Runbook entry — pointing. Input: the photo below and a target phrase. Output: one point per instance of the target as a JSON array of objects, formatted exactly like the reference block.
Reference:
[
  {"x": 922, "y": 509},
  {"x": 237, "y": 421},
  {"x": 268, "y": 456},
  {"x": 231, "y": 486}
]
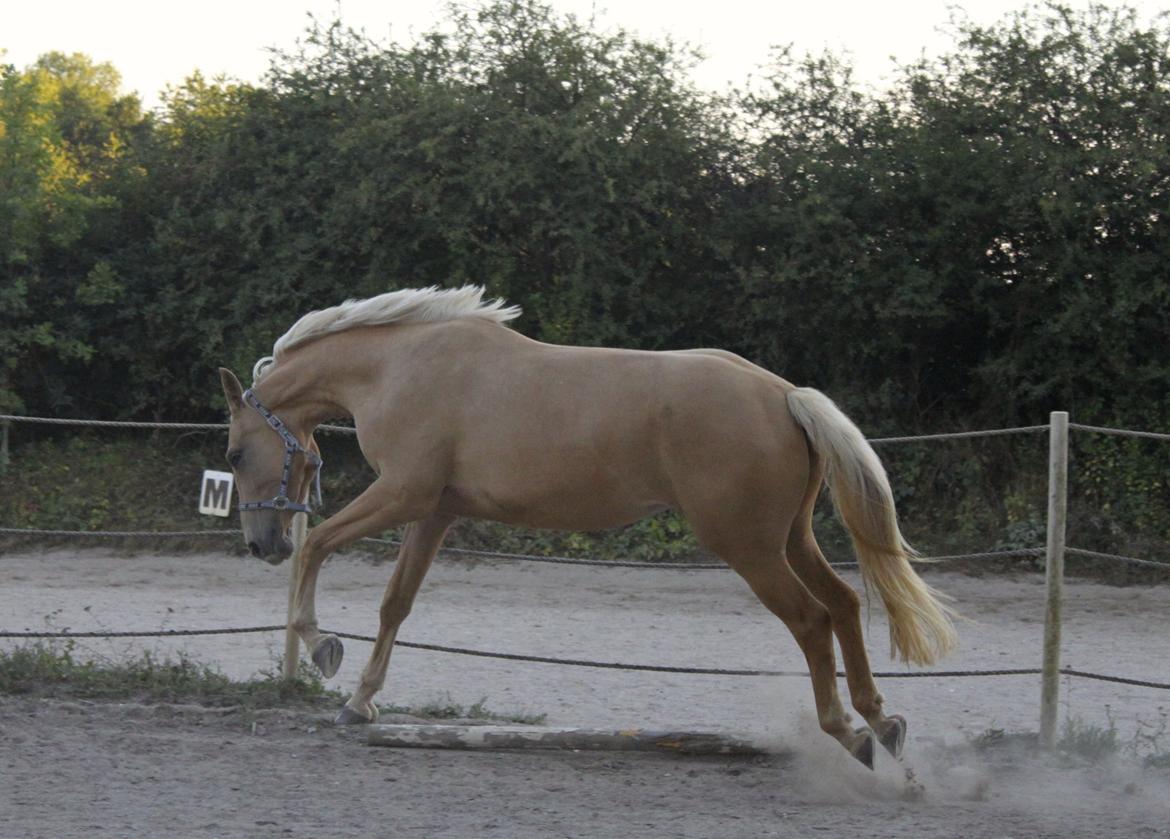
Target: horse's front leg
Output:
[
  {"x": 419, "y": 547},
  {"x": 381, "y": 507}
]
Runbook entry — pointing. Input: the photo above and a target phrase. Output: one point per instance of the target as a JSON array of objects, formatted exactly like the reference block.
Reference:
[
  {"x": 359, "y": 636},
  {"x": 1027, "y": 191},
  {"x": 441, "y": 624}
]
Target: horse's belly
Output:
[{"x": 567, "y": 508}]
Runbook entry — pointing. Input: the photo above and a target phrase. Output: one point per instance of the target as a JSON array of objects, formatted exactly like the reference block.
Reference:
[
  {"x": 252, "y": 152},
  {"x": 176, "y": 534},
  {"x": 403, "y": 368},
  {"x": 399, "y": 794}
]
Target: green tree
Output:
[
  {"x": 980, "y": 242},
  {"x": 1066, "y": 116},
  {"x": 64, "y": 135},
  {"x": 567, "y": 169}
]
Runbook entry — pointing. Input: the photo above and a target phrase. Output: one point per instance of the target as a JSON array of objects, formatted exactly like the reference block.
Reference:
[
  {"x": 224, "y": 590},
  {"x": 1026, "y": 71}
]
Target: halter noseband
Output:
[{"x": 291, "y": 447}]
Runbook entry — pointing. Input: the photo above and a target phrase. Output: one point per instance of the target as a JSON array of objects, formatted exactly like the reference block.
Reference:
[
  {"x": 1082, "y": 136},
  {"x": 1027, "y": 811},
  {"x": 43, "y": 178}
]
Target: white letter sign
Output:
[{"x": 215, "y": 499}]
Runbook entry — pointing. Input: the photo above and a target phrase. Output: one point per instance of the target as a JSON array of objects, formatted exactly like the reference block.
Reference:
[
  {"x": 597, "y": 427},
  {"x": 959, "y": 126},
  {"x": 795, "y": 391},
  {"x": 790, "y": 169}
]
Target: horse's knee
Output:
[
  {"x": 840, "y": 598},
  {"x": 394, "y": 611},
  {"x": 813, "y": 626},
  {"x": 846, "y": 605},
  {"x": 312, "y": 550}
]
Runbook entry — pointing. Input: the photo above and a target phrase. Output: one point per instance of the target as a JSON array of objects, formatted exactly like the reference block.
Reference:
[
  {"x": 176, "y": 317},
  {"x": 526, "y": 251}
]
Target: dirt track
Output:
[
  {"x": 97, "y": 771},
  {"x": 75, "y": 769}
]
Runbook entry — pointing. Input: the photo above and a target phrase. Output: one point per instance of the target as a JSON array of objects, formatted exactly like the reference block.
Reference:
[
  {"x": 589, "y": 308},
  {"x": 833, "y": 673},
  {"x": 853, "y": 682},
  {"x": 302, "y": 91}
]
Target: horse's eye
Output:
[{"x": 234, "y": 457}]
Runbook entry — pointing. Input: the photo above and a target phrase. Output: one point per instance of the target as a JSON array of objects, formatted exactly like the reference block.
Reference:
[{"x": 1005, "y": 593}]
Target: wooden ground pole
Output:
[{"x": 551, "y": 738}]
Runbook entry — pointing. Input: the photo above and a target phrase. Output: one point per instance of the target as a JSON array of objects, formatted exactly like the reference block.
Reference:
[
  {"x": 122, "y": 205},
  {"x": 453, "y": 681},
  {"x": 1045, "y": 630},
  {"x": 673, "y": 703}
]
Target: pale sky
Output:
[{"x": 156, "y": 42}]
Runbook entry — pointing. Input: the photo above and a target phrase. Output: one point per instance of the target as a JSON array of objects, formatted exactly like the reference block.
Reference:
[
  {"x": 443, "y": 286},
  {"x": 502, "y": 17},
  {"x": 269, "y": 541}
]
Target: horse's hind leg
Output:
[
  {"x": 845, "y": 610},
  {"x": 421, "y": 543},
  {"x": 743, "y": 509},
  {"x": 782, "y": 592}
]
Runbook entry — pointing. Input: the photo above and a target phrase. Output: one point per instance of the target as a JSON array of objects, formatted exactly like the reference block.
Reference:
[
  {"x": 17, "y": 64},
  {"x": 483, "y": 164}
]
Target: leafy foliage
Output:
[
  {"x": 979, "y": 244},
  {"x": 65, "y": 168}
]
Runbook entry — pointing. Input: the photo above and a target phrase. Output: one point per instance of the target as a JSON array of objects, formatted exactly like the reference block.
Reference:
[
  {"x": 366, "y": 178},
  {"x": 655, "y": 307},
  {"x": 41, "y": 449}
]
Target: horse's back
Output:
[{"x": 546, "y": 434}]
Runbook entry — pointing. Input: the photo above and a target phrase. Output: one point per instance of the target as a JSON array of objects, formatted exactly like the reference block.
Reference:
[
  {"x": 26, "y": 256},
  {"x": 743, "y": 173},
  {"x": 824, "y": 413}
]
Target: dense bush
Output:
[{"x": 979, "y": 244}]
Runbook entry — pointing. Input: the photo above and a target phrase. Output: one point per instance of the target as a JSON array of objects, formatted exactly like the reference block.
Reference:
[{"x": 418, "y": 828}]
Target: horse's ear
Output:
[{"x": 232, "y": 389}]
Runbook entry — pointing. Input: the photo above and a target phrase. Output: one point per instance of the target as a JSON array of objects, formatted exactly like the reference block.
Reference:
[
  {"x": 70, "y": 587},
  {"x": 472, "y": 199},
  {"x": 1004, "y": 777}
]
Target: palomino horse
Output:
[{"x": 459, "y": 415}]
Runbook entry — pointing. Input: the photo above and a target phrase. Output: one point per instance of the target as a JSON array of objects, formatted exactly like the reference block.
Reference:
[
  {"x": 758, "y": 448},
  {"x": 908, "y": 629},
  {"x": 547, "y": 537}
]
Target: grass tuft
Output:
[
  {"x": 1088, "y": 741},
  {"x": 52, "y": 671}
]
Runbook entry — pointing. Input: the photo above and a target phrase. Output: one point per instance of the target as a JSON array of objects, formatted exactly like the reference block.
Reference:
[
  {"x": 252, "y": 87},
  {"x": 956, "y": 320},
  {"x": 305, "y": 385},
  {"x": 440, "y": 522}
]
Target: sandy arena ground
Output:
[{"x": 77, "y": 769}]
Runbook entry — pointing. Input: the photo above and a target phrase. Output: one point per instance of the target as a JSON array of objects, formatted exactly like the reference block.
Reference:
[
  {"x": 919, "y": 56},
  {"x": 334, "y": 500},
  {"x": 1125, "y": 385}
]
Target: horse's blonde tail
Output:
[{"x": 921, "y": 629}]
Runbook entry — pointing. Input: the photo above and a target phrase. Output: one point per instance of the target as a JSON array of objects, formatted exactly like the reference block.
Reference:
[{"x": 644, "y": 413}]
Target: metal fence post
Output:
[
  {"x": 4, "y": 446},
  {"x": 1054, "y": 573},
  {"x": 292, "y": 642}
]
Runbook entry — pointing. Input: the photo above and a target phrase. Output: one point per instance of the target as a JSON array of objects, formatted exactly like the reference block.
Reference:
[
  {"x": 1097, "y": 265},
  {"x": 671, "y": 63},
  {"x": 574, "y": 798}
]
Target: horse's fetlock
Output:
[
  {"x": 372, "y": 678},
  {"x": 836, "y": 722},
  {"x": 302, "y": 627},
  {"x": 867, "y": 703}
]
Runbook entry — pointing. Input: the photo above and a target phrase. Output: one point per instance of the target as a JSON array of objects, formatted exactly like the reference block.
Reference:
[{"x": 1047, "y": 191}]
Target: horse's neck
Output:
[
  {"x": 308, "y": 385},
  {"x": 335, "y": 375}
]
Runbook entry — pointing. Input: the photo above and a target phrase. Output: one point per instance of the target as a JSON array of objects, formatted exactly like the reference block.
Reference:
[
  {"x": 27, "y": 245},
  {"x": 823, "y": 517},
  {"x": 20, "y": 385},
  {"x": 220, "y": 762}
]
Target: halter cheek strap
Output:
[{"x": 291, "y": 446}]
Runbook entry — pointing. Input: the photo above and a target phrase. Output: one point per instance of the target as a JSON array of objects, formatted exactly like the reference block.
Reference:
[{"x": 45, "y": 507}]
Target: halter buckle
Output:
[{"x": 291, "y": 446}]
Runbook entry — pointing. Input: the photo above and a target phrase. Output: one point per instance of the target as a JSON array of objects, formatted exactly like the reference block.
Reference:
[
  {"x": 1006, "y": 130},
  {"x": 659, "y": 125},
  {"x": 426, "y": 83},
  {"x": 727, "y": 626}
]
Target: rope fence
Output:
[
  {"x": 580, "y": 662},
  {"x": 1120, "y": 432},
  {"x": 552, "y": 560},
  {"x": 1009, "y": 553},
  {"x": 1132, "y": 560},
  {"x": 345, "y": 429},
  {"x": 173, "y": 426},
  {"x": 958, "y": 435},
  {"x": 114, "y": 534}
]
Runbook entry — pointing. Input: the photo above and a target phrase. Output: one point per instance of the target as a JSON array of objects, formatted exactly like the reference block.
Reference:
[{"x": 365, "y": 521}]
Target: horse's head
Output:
[{"x": 274, "y": 470}]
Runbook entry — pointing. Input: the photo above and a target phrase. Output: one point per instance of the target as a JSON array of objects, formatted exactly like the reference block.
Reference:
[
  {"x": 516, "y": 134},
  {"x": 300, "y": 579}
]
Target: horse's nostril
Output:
[{"x": 255, "y": 549}]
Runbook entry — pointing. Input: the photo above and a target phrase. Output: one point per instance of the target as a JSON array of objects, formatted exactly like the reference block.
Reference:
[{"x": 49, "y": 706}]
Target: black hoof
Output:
[
  {"x": 864, "y": 749},
  {"x": 894, "y": 737},
  {"x": 327, "y": 655},
  {"x": 348, "y": 716}
]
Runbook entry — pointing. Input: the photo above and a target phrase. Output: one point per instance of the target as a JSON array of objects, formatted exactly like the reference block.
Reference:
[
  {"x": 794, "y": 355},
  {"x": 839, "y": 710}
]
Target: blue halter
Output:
[{"x": 291, "y": 447}]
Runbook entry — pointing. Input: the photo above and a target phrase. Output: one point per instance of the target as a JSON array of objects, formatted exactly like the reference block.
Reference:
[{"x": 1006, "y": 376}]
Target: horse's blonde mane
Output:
[{"x": 408, "y": 305}]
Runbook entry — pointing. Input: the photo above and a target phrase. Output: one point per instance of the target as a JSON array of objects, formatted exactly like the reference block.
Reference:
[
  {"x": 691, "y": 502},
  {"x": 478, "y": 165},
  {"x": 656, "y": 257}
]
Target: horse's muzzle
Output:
[{"x": 273, "y": 551}]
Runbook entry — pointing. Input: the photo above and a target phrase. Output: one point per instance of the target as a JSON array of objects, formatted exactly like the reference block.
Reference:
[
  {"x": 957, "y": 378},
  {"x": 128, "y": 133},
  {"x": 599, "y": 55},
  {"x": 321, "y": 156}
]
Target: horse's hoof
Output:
[
  {"x": 863, "y": 749},
  {"x": 348, "y": 716},
  {"x": 327, "y": 655},
  {"x": 894, "y": 737}
]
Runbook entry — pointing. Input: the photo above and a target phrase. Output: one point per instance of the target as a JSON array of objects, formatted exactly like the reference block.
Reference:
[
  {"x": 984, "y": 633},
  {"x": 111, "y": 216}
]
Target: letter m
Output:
[{"x": 216, "y": 494}]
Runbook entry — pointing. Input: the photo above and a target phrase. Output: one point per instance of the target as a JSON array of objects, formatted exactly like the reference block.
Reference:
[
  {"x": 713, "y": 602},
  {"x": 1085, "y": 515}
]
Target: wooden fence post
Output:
[
  {"x": 292, "y": 642},
  {"x": 1054, "y": 573}
]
